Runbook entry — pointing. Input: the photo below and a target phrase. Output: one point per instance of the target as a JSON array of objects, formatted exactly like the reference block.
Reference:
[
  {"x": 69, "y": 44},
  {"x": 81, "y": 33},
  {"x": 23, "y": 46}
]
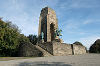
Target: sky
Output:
[{"x": 78, "y": 19}]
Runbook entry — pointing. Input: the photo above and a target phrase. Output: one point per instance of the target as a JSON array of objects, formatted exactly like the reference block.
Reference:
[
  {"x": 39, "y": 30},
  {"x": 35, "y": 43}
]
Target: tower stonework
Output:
[
  {"x": 48, "y": 42},
  {"x": 47, "y": 24}
]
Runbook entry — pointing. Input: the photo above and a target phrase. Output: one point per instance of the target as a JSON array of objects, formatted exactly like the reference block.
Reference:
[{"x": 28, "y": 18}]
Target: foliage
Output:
[
  {"x": 26, "y": 48},
  {"x": 95, "y": 48},
  {"x": 8, "y": 38},
  {"x": 33, "y": 39},
  {"x": 23, "y": 38},
  {"x": 11, "y": 39},
  {"x": 78, "y": 43}
]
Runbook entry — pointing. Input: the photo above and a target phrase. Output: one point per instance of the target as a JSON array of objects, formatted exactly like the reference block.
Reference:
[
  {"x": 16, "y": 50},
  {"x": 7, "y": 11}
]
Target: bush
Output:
[
  {"x": 8, "y": 38},
  {"x": 78, "y": 43},
  {"x": 33, "y": 39},
  {"x": 95, "y": 47},
  {"x": 11, "y": 40}
]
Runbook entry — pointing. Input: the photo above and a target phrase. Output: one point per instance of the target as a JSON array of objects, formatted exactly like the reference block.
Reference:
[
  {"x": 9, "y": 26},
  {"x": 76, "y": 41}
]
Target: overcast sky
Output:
[{"x": 78, "y": 19}]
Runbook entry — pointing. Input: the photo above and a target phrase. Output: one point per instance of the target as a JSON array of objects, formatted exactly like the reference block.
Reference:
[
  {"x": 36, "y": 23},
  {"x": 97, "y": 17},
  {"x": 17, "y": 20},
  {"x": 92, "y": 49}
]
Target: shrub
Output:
[
  {"x": 95, "y": 47},
  {"x": 33, "y": 39},
  {"x": 78, "y": 43}
]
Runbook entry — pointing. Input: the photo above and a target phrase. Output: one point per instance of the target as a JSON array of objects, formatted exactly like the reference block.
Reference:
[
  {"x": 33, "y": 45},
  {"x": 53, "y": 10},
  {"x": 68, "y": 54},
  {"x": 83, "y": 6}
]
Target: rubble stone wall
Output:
[
  {"x": 78, "y": 49},
  {"x": 47, "y": 46},
  {"x": 60, "y": 49}
]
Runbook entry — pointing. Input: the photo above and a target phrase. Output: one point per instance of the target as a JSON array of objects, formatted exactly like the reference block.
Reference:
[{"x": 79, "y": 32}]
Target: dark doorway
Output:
[{"x": 52, "y": 31}]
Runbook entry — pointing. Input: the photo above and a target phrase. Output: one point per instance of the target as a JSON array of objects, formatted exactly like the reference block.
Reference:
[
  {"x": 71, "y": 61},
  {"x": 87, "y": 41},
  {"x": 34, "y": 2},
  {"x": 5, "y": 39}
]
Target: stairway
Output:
[{"x": 45, "y": 53}]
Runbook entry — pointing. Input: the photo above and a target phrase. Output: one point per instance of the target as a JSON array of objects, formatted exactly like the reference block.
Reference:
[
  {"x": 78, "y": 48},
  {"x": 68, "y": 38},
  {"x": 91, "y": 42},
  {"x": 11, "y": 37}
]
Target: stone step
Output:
[{"x": 45, "y": 53}]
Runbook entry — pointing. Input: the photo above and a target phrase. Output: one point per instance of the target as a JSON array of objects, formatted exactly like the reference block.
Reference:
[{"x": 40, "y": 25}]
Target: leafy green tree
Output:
[
  {"x": 33, "y": 39},
  {"x": 11, "y": 39},
  {"x": 78, "y": 43},
  {"x": 23, "y": 39},
  {"x": 8, "y": 38},
  {"x": 95, "y": 47}
]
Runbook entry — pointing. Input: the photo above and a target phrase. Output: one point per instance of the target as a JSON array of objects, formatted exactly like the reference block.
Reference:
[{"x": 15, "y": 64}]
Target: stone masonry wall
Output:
[
  {"x": 60, "y": 49},
  {"x": 47, "y": 17},
  {"x": 78, "y": 49},
  {"x": 51, "y": 19},
  {"x": 28, "y": 50},
  {"x": 47, "y": 46}
]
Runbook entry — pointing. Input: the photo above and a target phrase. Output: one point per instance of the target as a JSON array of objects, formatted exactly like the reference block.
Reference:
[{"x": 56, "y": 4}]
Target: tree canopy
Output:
[
  {"x": 11, "y": 39},
  {"x": 9, "y": 35},
  {"x": 78, "y": 43},
  {"x": 95, "y": 47},
  {"x": 33, "y": 39}
]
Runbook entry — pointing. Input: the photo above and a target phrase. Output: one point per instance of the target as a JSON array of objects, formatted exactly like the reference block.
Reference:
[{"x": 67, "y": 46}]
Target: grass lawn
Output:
[{"x": 12, "y": 58}]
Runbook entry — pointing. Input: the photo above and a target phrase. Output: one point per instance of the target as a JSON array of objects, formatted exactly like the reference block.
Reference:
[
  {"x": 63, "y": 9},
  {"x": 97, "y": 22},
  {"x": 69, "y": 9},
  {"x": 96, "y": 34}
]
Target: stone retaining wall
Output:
[
  {"x": 47, "y": 46},
  {"x": 62, "y": 49},
  {"x": 78, "y": 49}
]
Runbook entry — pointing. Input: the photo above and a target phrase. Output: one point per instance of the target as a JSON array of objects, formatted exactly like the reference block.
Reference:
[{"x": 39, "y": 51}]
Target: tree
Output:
[
  {"x": 78, "y": 43},
  {"x": 8, "y": 38},
  {"x": 95, "y": 47},
  {"x": 33, "y": 39},
  {"x": 12, "y": 42}
]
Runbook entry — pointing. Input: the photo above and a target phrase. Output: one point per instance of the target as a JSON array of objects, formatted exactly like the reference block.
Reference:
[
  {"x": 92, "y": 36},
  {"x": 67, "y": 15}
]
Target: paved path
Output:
[{"x": 71, "y": 60}]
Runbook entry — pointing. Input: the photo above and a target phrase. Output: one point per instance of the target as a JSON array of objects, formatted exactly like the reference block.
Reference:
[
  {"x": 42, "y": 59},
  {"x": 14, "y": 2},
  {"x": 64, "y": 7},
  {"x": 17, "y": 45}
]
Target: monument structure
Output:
[
  {"x": 48, "y": 24},
  {"x": 49, "y": 41}
]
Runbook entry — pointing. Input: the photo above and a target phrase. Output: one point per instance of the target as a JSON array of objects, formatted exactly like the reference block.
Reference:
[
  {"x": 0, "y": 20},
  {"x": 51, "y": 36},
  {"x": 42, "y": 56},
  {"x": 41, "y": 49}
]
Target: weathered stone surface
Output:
[
  {"x": 60, "y": 49},
  {"x": 47, "y": 46},
  {"x": 47, "y": 24},
  {"x": 29, "y": 50},
  {"x": 79, "y": 49},
  {"x": 44, "y": 52}
]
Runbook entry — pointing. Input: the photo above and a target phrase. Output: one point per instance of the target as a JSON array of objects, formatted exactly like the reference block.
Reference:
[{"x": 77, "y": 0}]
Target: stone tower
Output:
[{"x": 47, "y": 24}]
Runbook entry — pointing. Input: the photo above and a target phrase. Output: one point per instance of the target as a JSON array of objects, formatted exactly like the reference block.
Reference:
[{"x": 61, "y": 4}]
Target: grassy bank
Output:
[{"x": 12, "y": 58}]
